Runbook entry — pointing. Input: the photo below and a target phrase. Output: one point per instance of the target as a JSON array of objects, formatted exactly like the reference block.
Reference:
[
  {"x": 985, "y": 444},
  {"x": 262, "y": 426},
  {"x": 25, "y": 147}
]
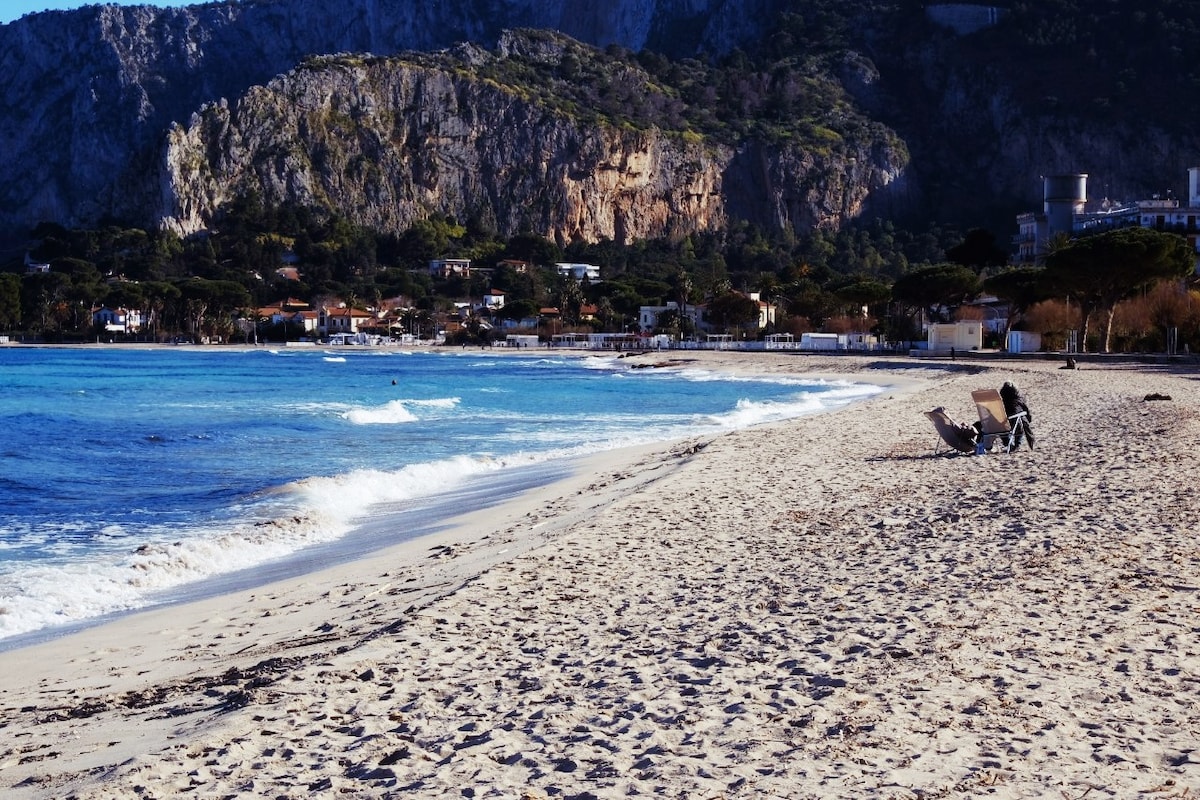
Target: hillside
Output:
[
  {"x": 515, "y": 138},
  {"x": 826, "y": 113}
]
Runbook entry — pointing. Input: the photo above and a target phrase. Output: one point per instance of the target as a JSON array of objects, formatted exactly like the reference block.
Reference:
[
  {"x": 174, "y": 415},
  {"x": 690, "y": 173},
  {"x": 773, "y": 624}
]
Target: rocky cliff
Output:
[
  {"x": 89, "y": 95},
  {"x": 387, "y": 141},
  {"x": 144, "y": 115}
]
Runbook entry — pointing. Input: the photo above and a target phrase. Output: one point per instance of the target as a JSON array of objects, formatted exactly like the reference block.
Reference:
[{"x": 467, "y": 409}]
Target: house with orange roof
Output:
[
  {"x": 287, "y": 313},
  {"x": 343, "y": 320}
]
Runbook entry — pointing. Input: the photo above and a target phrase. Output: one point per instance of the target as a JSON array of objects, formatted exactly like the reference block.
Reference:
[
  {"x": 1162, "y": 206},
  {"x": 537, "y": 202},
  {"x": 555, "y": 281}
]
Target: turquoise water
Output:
[{"x": 135, "y": 477}]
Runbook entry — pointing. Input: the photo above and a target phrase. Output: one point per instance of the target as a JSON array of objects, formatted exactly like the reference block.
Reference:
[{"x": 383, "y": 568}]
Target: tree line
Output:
[{"x": 871, "y": 277}]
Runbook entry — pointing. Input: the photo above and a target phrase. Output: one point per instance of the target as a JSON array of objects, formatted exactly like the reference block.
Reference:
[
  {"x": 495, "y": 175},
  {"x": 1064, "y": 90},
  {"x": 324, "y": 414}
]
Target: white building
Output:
[
  {"x": 493, "y": 301},
  {"x": 1065, "y": 210},
  {"x": 35, "y": 268},
  {"x": 118, "y": 320},
  {"x": 956, "y": 336},
  {"x": 578, "y": 271},
  {"x": 648, "y": 315}
]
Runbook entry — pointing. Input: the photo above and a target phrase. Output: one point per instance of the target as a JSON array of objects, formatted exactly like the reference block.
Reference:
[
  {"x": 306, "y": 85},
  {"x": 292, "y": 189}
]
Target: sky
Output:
[{"x": 15, "y": 9}]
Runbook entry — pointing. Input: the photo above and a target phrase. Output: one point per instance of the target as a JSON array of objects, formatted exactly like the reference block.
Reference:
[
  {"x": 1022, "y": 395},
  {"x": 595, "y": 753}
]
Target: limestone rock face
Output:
[
  {"x": 89, "y": 95},
  {"x": 386, "y": 142}
]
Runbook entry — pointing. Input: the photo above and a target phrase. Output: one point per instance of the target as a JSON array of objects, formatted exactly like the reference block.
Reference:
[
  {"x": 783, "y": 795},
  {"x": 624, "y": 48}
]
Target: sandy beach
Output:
[{"x": 820, "y": 608}]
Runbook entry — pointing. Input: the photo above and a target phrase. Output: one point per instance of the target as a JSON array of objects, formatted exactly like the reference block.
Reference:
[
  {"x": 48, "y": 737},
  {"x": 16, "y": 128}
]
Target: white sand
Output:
[{"x": 817, "y": 608}]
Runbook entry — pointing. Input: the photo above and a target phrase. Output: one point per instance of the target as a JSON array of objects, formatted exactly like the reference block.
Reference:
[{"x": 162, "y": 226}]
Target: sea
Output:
[{"x": 131, "y": 478}]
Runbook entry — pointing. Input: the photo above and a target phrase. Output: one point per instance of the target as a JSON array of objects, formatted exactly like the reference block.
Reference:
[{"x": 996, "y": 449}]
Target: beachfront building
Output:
[
  {"x": 292, "y": 313},
  {"x": 117, "y": 320},
  {"x": 649, "y": 316},
  {"x": 343, "y": 320},
  {"x": 1067, "y": 212},
  {"x": 947, "y": 337},
  {"x": 493, "y": 301}
]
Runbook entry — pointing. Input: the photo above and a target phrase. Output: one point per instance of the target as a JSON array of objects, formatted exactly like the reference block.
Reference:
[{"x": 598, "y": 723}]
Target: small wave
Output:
[
  {"x": 350, "y": 494},
  {"x": 396, "y": 411},
  {"x": 706, "y": 376},
  {"x": 392, "y": 413},
  {"x": 599, "y": 362},
  {"x": 437, "y": 402},
  {"x": 52, "y": 595},
  {"x": 754, "y": 412},
  {"x": 334, "y": 359}
]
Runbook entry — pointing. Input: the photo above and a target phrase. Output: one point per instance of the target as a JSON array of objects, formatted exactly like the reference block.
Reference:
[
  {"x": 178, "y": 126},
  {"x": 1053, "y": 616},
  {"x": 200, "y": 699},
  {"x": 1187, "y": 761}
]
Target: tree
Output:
[
  {"x": 605, "y": 312},
  {"x": 733, "y": 310},
  {"x": 212, "y": 300},
  {"x": 937, "y": 288},
  {"x": 1020, "y": 288},
  {"x": 40, "y": 295},
  {"x": 159, "y": 298},
  {"x": 125, "y": 295},
  {"x": 1099, "y": 271},
  {"x": 569, "y": 297},
  {"x": 532, "y": 248},
  {"x": 978, "y": 251},
  {"x": 519, "y": 309},
  {"x": 10, "y": 301},
  {"x": 865, "y": 292},
  {"x": 805, "y": 298}
]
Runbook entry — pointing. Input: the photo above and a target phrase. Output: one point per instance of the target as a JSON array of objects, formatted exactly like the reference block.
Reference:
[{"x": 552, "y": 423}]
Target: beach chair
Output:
[
  {"x": 995, "y": 425},
  {"x": 959, "y": 437}
]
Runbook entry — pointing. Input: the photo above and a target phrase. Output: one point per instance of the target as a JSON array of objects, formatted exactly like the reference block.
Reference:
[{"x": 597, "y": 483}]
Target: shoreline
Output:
[
  {"x": 816, "y": 607},
  {"x": 382, "y": 525},
  {"x": 372, "y": 535}
]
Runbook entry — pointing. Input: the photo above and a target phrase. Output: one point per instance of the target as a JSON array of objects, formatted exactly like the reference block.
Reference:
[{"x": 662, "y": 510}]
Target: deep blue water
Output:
[{"x": 130, "y": 477}]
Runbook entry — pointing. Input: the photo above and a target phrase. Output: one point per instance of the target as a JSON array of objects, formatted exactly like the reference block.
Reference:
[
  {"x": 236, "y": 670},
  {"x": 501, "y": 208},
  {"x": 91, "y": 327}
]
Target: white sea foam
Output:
[
  {"x": 308, "y": 512},
  {"x": 83, "y": 573},
  {"x": 703, "y": 376},
  {"x": 350, "y": 495},
  {"x": 388, "y": 414},
  {"x": 437, "y": 402},
  {"x": 600, "y": 362},
  {"x": 396, "y": 411},
  {"x": 311, "y": 511},
  {"x": 52, "y": 594}
]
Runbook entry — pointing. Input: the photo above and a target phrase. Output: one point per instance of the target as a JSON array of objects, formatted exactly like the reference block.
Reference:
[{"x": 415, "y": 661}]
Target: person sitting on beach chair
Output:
[
  {"x": 995, "y": 423},
  {"x": 1018, "y": 412}
]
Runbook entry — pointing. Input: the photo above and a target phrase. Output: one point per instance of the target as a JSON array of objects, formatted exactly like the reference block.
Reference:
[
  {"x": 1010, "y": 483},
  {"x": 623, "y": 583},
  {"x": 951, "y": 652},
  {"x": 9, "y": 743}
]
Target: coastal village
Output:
[
  {"x": 395, "y": 322},
  {"x": 1067, "y": 212}
]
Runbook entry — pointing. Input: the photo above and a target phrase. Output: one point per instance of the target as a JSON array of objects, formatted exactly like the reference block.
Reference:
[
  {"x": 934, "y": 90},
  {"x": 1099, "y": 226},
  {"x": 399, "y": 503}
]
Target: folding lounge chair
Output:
[
  {"x": 994, "y": 423},
  {"x": 959, "y": 437}
]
